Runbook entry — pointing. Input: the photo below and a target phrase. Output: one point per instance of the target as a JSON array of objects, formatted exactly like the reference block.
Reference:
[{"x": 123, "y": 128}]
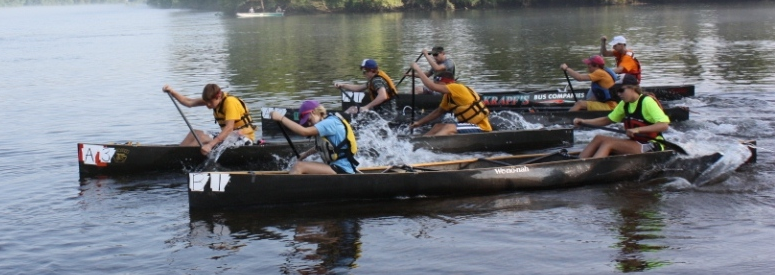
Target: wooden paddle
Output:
[
  {"x": 184, "y": 119},
  {"x": 570, "y": 86},
  {"x": 282, "y": 128},
  {"x": 409, "y": 70},
  {"x": 673, "y": 146}
]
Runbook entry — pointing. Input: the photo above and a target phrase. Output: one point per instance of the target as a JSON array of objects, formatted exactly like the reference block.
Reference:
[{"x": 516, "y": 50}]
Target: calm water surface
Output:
[{"x": 94, "y": 74}]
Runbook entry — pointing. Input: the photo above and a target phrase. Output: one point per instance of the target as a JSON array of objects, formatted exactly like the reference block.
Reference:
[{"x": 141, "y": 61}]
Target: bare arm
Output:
[
  {"x": 433, "y": 115},
  {"x": 351, "y": 87},
  {"x": 381, "y": 97},
  {"x": 600, "y": 121},
  {"x": 441, "y": 88},
  {"x": 185, "y": 101},
  {"x": 293, "y": 126},
  {"x": 575, "y": 75},
  {"x": 603, "y": 49},
  {"x": 653, "y": 128}
]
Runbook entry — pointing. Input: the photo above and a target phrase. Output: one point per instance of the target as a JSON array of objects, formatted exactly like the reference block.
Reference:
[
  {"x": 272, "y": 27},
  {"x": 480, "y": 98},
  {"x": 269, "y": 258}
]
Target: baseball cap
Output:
[
  {"x": 595, "y": 59},
  {"x": 629, "y": 80},
  {"x": 369, "y": 64},
  {"x": 618, "y": 40},
  {"x": 437, "y": 49},
  {"x": 306, "y": 109}
]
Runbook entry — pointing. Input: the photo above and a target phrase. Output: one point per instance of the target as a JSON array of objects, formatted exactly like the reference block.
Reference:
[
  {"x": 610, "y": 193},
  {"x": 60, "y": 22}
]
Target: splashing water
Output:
[{"x": 211, "y": 163}]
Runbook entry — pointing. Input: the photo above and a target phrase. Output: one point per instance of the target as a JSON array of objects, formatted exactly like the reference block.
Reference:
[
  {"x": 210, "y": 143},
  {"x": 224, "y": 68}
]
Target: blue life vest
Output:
[{"x": 603, "y": 94}]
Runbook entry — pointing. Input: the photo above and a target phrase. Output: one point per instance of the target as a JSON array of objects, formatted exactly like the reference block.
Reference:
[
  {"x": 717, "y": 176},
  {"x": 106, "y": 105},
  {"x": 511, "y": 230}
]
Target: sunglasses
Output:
[
  {"x": 435, "y": 54},
  {"x": 364, "y": 71}
]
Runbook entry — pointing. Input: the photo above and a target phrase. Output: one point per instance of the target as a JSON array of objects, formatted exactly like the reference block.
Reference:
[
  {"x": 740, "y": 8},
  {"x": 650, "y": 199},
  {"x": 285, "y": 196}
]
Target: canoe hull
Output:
[
  {"x": 245, "y": 189},
  {"x": 118, "y": 159}
]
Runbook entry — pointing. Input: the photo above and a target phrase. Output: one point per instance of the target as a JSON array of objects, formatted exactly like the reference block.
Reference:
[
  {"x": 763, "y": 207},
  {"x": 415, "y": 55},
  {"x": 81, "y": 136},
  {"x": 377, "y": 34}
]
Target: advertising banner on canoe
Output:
[{"x": 516, "y": 99}]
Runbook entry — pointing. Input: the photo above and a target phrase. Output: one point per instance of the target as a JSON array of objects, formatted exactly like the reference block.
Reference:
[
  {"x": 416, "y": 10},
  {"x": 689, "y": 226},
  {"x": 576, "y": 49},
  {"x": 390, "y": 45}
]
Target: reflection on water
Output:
[
  {"x": 326, "y": 238},
  {"x": 640, "y": 225}
]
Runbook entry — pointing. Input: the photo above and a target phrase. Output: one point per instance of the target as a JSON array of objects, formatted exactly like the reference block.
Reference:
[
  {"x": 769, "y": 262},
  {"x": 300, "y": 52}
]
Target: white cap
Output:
[{"x": 618, "y": 40}]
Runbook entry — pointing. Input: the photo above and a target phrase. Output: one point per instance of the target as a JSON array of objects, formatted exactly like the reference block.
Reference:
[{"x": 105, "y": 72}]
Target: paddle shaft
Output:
[
  {"x": 185, "y": 119},
  {"x": 671, "y": 145},
  {"x": 409, "y": 70},
  {"x": 288, "y": 138},
  {"x": 571, "y": 86},
  {"x": 411, "y": 130},
  {"x": 352, "y": 99}
]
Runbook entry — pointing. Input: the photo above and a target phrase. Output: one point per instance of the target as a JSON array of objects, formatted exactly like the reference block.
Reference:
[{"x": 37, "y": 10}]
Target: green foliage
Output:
[{"x": 16, "y": 3}]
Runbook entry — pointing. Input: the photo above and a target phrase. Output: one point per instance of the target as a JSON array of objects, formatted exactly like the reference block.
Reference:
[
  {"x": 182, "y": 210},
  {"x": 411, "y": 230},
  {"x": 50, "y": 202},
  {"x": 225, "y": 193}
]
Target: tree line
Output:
[{"x": 332, "y": 6}]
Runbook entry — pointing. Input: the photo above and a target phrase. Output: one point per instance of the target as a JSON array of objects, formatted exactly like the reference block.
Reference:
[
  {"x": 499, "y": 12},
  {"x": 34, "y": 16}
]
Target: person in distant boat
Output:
[
  {"x": 439, "y": 63},
  {"x": 644, "y": 120},
  {"x": 599, "y": 98},
  {"x": 279, "y": 9},
  {"x": 251, "y": 10},
  {"x": 380, "y": 87},
  {"x": 230, "y": 112},
  {"x": 334, "y": 140},
  {"x": 470, "y": 113},
  {"x": 626, "y": 63}
]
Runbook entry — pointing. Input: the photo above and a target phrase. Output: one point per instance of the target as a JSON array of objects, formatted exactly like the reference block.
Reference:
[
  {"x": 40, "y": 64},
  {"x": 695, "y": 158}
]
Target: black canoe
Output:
[
  {"x": 544, "y": 116},
  {"x": 452, "y": 178},
  {"x": 117, "y": 159},
  {"x": 516, "y": 99}
]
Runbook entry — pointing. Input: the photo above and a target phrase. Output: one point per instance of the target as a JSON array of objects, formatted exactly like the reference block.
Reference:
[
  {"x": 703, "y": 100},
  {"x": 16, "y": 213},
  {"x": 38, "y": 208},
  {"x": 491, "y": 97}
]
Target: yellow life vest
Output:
[
  {"x": 391, "y": 90},
  {"x": 473, "y": 112},
  {"x": 330, "y": 153},
  {"x": 243, "y": 122}
]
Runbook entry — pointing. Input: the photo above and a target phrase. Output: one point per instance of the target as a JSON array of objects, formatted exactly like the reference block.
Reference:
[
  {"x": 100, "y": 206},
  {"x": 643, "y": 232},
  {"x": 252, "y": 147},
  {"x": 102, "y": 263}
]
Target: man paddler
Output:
[
  {"x": 470, "y": 113},
  {"x": 380, "y": 87}
]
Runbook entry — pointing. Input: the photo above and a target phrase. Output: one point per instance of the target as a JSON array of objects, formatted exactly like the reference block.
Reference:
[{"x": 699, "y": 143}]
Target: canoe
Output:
[
  {"x": 121, "y": 159},
  {"x": 258, "y": 14},
  {"x": 546, "y": 116},
  {"x": 515, "y": 99},
  {"x": 212, "y": 190}
]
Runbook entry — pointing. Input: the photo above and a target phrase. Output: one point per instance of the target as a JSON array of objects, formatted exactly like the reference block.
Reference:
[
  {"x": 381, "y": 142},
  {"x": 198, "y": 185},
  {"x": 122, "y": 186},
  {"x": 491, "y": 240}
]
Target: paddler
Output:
[
  {"x": 599, "y": 98},
  {"x": 470, "y": 113},
  {"x": 644, "y": 121},
  {"x": 334, "y": 140},
  {"x": 381, "y": 90},
  {"x": 230, "y": 113}
]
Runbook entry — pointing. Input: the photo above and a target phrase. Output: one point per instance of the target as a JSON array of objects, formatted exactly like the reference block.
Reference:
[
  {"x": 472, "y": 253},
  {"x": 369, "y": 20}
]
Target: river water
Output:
[{"x": 93, "y": 73}]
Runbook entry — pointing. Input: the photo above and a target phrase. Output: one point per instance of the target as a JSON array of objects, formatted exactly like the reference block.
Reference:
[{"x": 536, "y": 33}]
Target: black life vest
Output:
[{"x": 636, "y": 119}]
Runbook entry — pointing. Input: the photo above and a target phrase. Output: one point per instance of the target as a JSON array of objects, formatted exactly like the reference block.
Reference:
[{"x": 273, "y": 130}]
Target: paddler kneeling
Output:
[
  {"x": 334, "y": 140},
  {"x": 471, "y": 115},
  {"x": 644, "y": 121}
]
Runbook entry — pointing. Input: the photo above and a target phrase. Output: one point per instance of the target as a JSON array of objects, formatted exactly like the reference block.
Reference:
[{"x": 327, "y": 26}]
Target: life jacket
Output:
[
  {"x": 391, "y": 90},
  {"x": 603, "y": 94},
  {"x": 345, "y": 149},
  {"x": 244, "y": 121},
  {"x": 631, "y": 54},
  {"x": 473, "y": 112},
  {"x": 636, "y": 119}
]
